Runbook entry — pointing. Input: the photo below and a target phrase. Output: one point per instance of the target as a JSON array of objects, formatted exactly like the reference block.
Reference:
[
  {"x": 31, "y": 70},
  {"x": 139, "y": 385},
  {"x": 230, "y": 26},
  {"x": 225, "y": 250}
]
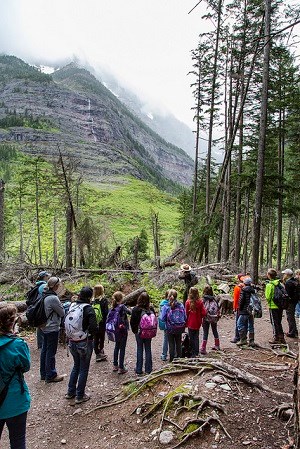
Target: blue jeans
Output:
[
  {"x": 119, "y": 352},
  {"x": 17, "y": 430},
  {"x": 81, "y": 352},
  {"x": 142, "y": 343},
  {"x": 165, "y": 346},
  {"x": 246, "y": 323},
  {"x": 194, "y": 341},
  {"x": 47, "y": 360}
]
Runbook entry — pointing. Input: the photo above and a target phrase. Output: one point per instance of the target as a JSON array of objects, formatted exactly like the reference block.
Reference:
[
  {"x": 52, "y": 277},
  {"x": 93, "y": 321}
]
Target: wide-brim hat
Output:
[{"x": 185, "y": 267}]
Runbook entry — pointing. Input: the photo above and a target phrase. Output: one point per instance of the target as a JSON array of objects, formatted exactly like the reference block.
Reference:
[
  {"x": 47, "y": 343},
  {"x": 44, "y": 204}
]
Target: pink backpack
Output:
[{"x": 148, "y": 324}]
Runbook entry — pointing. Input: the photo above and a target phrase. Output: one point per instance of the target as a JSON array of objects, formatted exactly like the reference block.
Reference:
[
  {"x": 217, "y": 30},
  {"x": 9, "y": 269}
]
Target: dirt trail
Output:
[{"x": 54, "y": 422}]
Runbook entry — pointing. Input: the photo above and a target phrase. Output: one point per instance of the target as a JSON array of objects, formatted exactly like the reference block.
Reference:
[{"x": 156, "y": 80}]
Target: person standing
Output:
[
  {"x": 275, "y": 311},
  {"x": 142, "y": 307},
  {"x": 190, "y": 279},
  {"x": 246, "y": 320},
  {"x": 236, "y": 297},
  {"x": 173, "y": 314},
  {"x": 54, "y": 313},
  {"x": 162, "y": 327},
  {"x": 14, "y": 362},
  {"x": 195, "y": 313},
  {"x": 212, "y": 316},
  {"x": 297, "y": 309},
  {"x": 80, "y": 343},
  {"x": 41, "y": 281},
  {"x": 100, "y": 305},
  {"x": 291, "y": 287}
]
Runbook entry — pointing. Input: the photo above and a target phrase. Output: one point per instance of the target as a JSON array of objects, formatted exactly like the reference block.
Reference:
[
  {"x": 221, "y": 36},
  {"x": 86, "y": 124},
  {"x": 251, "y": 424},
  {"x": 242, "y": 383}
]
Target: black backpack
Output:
[
  {"x": 36, "y": 314},
  {"x": 281, "y": 298},
  {"x": 32, "y": 295},
  {"x": 194, "y": 279}
]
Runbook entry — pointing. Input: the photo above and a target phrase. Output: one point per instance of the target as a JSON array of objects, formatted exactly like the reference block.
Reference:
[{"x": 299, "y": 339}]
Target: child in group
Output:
[
  {"x": 143, "y": 324},
  {"x": 211, "y": 318},
  {"x": 100, "y": 305},
  {"x": 120, "y": 311},
  {"x": 195, "y": 313},
  {"x": 162, "y": 327},
  {"x": 173, "y": 314},
  {"x": 246, "y": 319}
]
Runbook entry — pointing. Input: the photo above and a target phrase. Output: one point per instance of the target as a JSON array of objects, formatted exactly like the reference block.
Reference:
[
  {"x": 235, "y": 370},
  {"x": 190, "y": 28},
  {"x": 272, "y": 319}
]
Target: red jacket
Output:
[{"x": 194, "y": 317}]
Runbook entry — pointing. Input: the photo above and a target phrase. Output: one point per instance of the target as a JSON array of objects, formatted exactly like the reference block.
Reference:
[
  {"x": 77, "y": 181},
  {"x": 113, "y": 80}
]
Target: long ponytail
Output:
[
  {"x": 172, "y": 297},
  {"x": 193, "y": 297}
]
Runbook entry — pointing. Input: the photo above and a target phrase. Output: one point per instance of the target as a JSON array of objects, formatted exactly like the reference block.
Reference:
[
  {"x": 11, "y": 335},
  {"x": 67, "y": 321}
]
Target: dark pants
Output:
[
  {"x": 119, "y": 352},
  {"x": 290, "y": 314},
  {"x": 174, "y": 345},
  {"x": 99, "y": 338},
  {"x": 81, "y": 352},
  {"x": 39, "y": 338},
  {"x": 276, "y": 319},
  {"x": 16, "y": 429},
  {"x": 47, "y": 360},
  {"x": 142, "y": 343},
  {"x": 214, "y": 329},
  {"x": 194, "y": 341}
]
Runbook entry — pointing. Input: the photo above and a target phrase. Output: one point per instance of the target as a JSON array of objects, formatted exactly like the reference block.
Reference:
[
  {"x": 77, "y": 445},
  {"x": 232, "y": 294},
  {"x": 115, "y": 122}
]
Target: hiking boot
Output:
[
  {"x": 163, "y": 358},
  {"x": 84, "y": 398},
  {"x": 115, "y": 368},
  {"x": 291, "y": 335},
  {"x": 251, "y": 340},
  {"x": 69, "y": 396},
  {"x": 54, "y": 379},
  {"x": 217, "y": 345},
  {"x": 282, "y": 340},
  {"x": 234, "y": 340},
  {"x": 243, "y": 339},
  {"x": 274, "y": 341},
  {"x": 122, "y": 371}
]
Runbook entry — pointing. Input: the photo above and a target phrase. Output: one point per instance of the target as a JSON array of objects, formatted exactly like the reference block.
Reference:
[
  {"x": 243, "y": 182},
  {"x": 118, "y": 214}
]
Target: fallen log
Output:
[
  {"x": 132, "y": 297},
  {"x": 20, "y": 305}
]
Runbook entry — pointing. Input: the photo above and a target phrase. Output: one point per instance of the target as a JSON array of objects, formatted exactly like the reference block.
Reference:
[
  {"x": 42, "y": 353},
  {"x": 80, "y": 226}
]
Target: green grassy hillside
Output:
[{"x": 107, "y": 215}]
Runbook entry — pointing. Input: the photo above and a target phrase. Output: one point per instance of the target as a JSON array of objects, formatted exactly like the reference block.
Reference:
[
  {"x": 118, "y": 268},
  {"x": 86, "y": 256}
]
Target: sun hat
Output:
[{"x": 185, "y": 267}]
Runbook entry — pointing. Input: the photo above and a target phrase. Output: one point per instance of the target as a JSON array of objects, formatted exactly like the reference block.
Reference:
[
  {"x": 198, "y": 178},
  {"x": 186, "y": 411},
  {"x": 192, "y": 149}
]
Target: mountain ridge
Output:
[{"x": 74, "y": 110}]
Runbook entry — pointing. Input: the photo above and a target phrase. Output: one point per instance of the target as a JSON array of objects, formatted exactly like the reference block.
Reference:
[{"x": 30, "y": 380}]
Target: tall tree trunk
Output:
[
  {"x": 245, "y": 248},
  {"x": 55, "y": 257},
  {"x": 37, "y": 213},
  {"x": 261, "y": 144},
  {"x": 211, "y": 121},
  {"x": 156, "y": 243},
  {"x": 2, "y": 190},
  {"x": 271, "y": 230},
  {"x": 69, "y": 238},
  {"x": 226, "y": 226},
  {"x": 197, "y": 138}
]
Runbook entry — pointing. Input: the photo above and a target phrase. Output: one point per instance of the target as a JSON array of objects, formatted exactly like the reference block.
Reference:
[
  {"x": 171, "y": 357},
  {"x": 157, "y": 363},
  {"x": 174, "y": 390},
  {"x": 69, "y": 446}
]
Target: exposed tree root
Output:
[
  {"x": 203, "y": 423},
  {"x": 239, "y": 374}
]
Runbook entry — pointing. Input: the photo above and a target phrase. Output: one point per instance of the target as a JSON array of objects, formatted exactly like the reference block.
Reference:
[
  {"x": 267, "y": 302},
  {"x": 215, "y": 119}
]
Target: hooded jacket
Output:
[
  {"x": 54, "y": 311},
  {"x": 269, "y": 293},
  {"x": 14, "y": 358},
  {"x": 244, "y": 300}
]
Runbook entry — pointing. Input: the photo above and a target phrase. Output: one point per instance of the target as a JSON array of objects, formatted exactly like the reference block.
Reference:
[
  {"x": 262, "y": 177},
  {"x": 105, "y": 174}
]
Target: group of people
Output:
[{"x": 88, "y": 320}]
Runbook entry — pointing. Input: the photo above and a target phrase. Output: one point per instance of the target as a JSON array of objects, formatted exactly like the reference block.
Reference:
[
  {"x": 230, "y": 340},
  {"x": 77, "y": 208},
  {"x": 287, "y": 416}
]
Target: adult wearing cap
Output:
[
  {"x": 291, "y": 286},
  {"x": 246, "y": 321},
  {"x": 81, "y": 345},
  {"x": 190, "y": 279},
  {"x": 54, "y": 311},
  {"x": 41, "y": 281}
]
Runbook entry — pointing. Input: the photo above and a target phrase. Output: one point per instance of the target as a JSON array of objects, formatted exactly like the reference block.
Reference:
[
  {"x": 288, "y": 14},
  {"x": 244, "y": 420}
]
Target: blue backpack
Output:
[
  {"x": 176, "y": 319},
  {"x": 115, "y": 324}
]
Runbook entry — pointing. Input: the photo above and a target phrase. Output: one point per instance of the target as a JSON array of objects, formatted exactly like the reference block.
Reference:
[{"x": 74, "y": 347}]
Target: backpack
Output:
[
  {"x": 32, "y": 295},
  {"x": 255, "y": 308},
  {"x": 176, "y": 319},
  {"x": 194, "y": 279},
  {"x": 212, "y": 311},
  {"x": 185, "y": 346},
  {"x": 161, "y": 323},
  {"x": 148, "y": 324},
  {"x": 281, "y": 298},
  {"x": 73, "y": 322},
  {"x": 115, "y": 326},
  {"x": 36, "y": 314},
  {"x": 98, "y": 312}
]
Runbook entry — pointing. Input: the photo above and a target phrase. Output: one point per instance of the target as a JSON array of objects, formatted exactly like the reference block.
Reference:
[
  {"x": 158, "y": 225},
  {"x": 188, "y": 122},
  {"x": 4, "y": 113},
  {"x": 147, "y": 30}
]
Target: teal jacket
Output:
[
  {"x": 162, "y": 324},
  {"x": 14, "y": 354}
]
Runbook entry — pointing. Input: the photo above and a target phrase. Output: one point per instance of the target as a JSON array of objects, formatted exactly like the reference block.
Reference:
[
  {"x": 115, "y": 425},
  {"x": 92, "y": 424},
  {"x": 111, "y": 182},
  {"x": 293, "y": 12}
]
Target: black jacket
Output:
[
  {"x": 136, "y": 318},
  {"x": 292, "y": 289},
  {"x": 244, "y": 300}
]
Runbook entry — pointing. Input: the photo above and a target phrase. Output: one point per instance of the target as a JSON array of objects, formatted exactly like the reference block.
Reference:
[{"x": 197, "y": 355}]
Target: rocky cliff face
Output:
[{"x": 74, "y": 111}]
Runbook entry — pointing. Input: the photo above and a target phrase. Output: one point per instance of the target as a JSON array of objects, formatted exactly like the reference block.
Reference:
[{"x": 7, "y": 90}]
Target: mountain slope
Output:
[{"x": 74, "y": 110}]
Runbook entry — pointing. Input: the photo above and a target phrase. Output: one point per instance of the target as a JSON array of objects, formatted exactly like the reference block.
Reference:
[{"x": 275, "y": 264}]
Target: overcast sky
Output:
[{"x": 145, "y": 43}]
